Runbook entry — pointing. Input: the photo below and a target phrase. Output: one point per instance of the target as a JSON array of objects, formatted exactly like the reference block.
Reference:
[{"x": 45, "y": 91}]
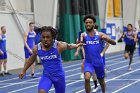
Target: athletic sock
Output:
[{"x": 95, "y": 83}]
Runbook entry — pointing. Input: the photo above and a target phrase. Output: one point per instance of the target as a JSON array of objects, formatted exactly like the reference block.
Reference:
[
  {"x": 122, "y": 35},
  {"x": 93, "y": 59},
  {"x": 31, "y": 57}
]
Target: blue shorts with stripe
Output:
[
  {"x": 47, "y": 81},
  {"x": 27, "y": 53},
  {"x": 4, "y": 56},
  {"x": 98, "y": 67}
]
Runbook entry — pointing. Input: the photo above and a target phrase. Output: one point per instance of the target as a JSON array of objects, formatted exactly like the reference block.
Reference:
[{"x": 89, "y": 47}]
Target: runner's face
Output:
[
  {"x": 47, "y": 39},
  {"x": 139, "y": 22},
  {"x": 3, "y": 30},
  {"x": 32, "y": 26},
  {"x": 129, "y": 27},
  {"x": 89, "y": 24}
]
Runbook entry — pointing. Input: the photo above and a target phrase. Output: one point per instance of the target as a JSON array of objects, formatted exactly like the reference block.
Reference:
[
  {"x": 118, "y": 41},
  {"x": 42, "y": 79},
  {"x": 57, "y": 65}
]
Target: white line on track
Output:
[
  {"x": 20, "y": 83},
  {"x": 53, "y": 88},
  {"x": 113, "y": 78},
  {"x": 126, "y": 86},
  {"x": 66, "y": 76},
  {"x": 66, "y": 67}
]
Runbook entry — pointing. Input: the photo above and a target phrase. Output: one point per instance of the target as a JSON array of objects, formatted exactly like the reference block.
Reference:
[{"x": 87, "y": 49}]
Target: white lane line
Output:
[
  {"x": 79, "y": 73},
  {"x": 70, "y": 80},
  {"x": 64, "y": 67},
  {"x": 23, "y": 89},
  {"x": 113, "y": 78},
  {"x": 37, "y": 73},
  {"x": 20, "y": 83},
  {"x": 80, "y": 80},
  {"x": 66, "y": 77},
  {"x": 126, "y": 86}
]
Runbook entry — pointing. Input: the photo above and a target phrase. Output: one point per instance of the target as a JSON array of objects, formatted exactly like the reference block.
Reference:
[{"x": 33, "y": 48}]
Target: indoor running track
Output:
[{"x": 118, "y": 78}]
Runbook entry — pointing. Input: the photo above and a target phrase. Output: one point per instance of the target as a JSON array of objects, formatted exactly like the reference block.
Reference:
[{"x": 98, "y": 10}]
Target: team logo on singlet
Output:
[
  {"x": 31, "y": 36},
  {"x": 48, "y": 57},
  {"x": 92, "y": 42},
  {"x": 4, "y": 38},
  {"x": 130, "y": 37}
]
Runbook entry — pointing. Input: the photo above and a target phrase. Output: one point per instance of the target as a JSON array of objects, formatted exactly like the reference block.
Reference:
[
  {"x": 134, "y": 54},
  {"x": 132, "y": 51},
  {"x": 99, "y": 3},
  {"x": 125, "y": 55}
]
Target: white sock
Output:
[{"x": 5, "y": 71}]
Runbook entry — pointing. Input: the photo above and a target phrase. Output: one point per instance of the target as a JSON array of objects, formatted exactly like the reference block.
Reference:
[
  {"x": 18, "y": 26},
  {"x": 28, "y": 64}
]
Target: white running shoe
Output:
[
  {"x": 129, "y": 68},
  {"x": 82, "y": 76},
  {"x": 95, "y": 89}
]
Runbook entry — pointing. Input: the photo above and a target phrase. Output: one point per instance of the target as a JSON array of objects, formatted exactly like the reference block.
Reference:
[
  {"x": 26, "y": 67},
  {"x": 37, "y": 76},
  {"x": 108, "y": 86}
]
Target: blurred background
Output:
[{"x": 67, "y": 16}]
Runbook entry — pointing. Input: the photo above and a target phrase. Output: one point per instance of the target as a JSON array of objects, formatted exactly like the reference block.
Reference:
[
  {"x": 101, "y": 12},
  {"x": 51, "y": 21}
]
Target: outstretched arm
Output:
[
  {"x": 107, "y": 39},
  {"x": 64, "y": 46}
]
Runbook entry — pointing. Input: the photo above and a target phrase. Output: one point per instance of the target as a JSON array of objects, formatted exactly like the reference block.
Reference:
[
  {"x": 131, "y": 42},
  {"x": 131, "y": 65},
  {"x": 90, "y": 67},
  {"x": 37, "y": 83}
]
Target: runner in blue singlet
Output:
[
  {"x": 93, "y": 60},
  {"x": 29, "y": 44},
  {"x": 49, "y": 51},
  {"x": 130, "y": 38}
]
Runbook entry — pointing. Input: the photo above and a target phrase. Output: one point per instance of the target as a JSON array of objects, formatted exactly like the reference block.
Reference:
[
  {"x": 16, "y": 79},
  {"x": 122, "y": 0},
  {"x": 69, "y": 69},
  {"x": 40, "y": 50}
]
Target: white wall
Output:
[
  {"x": 102, "y": 11},
  {"x": 25, "y": 18},
  {"x": 137, "y": 13},
  {"x": 104, "y": 21},
  {"x": 22, "y": 5},
  {"x": 116, "y": 48},
  {"x": 45, "y": 12},
  {"x": 129, "y": 12},
  {"x": 14, "y": 39}
]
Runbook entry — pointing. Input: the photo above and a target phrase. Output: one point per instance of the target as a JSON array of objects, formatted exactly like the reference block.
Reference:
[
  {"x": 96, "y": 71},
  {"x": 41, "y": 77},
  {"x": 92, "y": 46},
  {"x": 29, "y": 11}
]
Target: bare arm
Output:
[
  {"x": 105, "y": 48},
  {"x": 64, "y": 46},
  {"x": 31, "y": 60},
  {"x": 1, "y": 52},
  {"x": 77, "y": 51},
  {"x": 82, "y": 37},
  {"x": 107, "y": 39},
  {"x": 83, "y": 52},
  {"x": 25, "y": 42},
  {"x": 123, "y": 35},
  {"x": 135, "y": 37},
  {"x": 0, "y": 37}
]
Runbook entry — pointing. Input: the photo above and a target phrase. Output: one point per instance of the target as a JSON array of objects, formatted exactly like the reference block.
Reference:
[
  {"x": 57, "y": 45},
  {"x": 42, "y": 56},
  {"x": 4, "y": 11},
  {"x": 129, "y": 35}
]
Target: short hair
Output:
[
  {"x": 31, "y": 23},
  {"x": 91, "y": 17},
  {"x": 130, "y": 25},
  {"x": 50, "y": 29},
  {"x": 2, "y": 27}
]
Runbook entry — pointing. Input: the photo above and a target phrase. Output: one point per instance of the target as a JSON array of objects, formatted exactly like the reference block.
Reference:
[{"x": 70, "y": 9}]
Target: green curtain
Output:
[{"x": 71, "y": 22}]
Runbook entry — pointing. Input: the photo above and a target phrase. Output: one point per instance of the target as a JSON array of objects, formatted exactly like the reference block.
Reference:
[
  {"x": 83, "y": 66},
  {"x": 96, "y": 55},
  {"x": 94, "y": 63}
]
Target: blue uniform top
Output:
[
  {"x": 30, "y": 40},
  {"x": 92, "y": 48},
  {"x": 51, "y": 61},
  {"x": 138, "y": 37},
  {"x": 3, "y": 43},
  {"x": 128, "y": 40}
]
